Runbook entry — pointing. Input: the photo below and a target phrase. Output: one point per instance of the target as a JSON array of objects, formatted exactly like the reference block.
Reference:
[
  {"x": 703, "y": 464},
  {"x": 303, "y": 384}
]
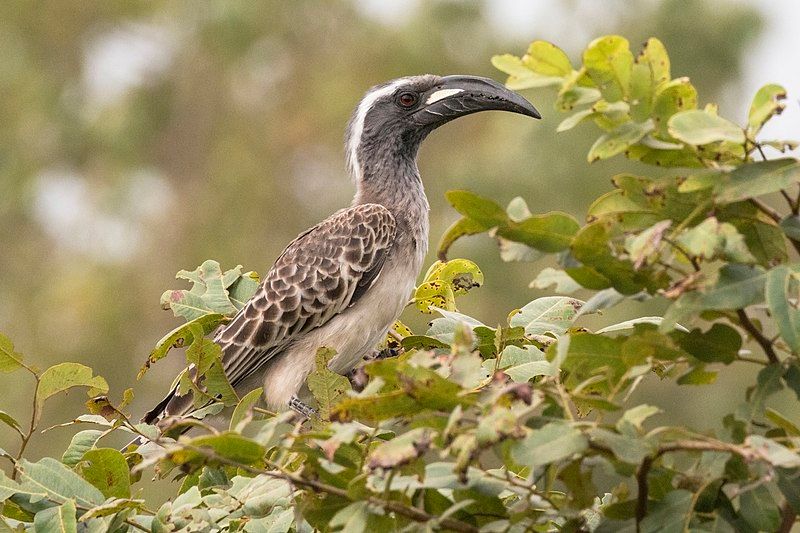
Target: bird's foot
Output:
[{"x": 299, "y": 407}]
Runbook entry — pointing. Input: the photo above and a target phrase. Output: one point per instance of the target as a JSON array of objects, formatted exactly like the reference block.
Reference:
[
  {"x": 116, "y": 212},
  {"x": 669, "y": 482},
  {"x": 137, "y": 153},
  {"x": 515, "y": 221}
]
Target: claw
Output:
[{"x": 298, "y": 406}]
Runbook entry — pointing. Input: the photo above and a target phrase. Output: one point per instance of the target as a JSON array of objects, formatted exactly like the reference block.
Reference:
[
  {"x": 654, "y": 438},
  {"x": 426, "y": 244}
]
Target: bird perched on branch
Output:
[{"x": 343, "y": 283}]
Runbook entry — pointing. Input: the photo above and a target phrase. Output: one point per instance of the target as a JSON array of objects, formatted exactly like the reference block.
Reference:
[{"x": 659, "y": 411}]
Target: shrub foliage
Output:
[{"x": 524, "y": 425}]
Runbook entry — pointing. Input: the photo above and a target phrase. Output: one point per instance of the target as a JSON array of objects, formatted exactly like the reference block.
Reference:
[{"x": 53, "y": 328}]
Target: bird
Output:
[{"x": 342, "y": 283}]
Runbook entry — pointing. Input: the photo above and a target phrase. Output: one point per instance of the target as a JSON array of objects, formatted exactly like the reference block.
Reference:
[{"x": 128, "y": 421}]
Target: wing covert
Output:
[{"x": 320, "y": 274}]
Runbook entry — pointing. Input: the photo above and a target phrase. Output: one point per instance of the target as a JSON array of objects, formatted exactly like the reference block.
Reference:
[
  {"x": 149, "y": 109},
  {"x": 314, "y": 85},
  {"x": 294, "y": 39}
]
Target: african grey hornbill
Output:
[{"x": 344, "y": 282}]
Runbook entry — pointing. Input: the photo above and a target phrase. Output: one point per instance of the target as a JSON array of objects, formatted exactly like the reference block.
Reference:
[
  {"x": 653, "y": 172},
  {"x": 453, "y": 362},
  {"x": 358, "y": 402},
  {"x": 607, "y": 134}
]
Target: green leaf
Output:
[
  {"x": 572, "y": 95},
  {"x": 575, "y": 119},
  {"x": 767, "y": 102},
  {"x": 776, "y": 454},
  {"x": 8, "y": 487},
  {"x": 58, "y": 483},
  {"x": 783, "y": 285},
  {"x": 111, "y": 507},
  {"x": 677, "y": 95},
  {"x": 523, "y": 364},
  {"x": 207, "y": 295},
  {"x": 645, "y": 247},
  {"x": 608, "y": 62},
  {"x": 711, "y": 239},
  {"x": 242, "y": 288},
  {"x": 400, "y": 450},
  {"x": 482, "y": 210},
  {"x": 244, "y": 406},
  {"x": 763, "y": 238},
  {"x": 720, "y": 344},
  {"x": 618, "y": 140},
  {"x": 759, "y": 509},
  {"x": 64, "y": 376},
  {"x": 460, "y": 228},
  {"x": 756, "y": 179},
  {"x": 700, "y": 127},
  {"x": 9, "y": 359},
  {"x": 670, "y": 514},
  {"x": 551, "y": 232},
  {"x": 650, "y": 71},
  {"x": 106, "y": 469},
  {"x": 589, "y": 353},
  {"x": 789, "y": 484},
  {"x": 227, "y": 445},
  {"x": 548, "y": 276},
  {"x": 698, "y": 375},
  {"x": 520, "y": 76},
  {"x": 60, "y": 519},
  {"x": 791, "y": 227},
  {"x": 792, "y": 377},
  {"x": 782, "y": 422},
  {"x": 326, "y": 386},
  {"x": 10, "y": 421},
  {"x": 81, "y": 442},
  {"x": 181, "y": 336},
  {"x": 591, "y": 248},
  {"x": 737, "y": 287},
  {"x": 551, "y": 314},
  {"x": 552, "y": 442},
  {"x": 624, "y": 447},
  {"x": 635, "y": 416}
]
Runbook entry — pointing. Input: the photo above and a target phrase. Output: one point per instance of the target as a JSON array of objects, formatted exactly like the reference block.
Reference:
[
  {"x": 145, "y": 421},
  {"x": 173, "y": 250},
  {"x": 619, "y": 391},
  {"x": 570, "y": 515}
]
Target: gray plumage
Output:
[{"x": 343, "y": 282}]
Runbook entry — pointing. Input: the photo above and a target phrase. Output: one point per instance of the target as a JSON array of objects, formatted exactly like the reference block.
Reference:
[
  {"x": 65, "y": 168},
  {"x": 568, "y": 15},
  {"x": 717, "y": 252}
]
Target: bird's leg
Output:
[
  {"x": 298, "y": 406},
  {"x": 390, "y": 351}
]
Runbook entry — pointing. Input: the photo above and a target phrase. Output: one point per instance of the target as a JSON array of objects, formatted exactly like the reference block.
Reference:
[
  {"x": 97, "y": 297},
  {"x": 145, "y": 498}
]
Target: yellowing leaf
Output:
[
  {"x": 618, "y": 140},
  {"x": 699, "y": 127},
  {"x": 608, "y": 61},
  {"x": 9, "y": 359},
  {"x": 547, "y": 59},
  {"x": 64, "y": 376},
  {"x": 767, "y": 102}
]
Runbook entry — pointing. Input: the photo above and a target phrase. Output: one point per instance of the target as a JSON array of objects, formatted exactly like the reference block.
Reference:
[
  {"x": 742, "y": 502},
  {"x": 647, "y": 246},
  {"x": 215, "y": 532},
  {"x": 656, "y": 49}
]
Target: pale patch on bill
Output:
[{"x": 443, "y": 93}]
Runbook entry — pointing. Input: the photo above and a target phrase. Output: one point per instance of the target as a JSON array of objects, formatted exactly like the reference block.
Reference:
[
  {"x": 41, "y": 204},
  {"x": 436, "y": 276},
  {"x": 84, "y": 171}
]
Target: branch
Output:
[
  {"x": 27, "y": 437},
  {"x": 788, "y": 517},
  {"x": 413, "y": 513},
  {"x": 759, "y": 337}
]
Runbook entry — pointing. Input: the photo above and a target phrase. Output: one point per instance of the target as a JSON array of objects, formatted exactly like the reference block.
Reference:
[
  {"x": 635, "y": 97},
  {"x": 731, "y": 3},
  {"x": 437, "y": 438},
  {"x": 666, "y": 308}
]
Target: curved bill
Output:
[{"x": 458, "y": 96}]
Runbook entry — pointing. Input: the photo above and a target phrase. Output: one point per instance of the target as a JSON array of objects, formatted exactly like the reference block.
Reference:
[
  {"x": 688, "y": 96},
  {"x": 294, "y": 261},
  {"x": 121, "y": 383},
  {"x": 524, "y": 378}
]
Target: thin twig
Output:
[
  {"x": 677, "y": 446},
  {"x": 34, "y": 416},
  {"x": 746, "y": 359},
  {"x": 767, "y": 210},
  {"x": 788, "y": 200},
  {"x": 759, "y": 337}
]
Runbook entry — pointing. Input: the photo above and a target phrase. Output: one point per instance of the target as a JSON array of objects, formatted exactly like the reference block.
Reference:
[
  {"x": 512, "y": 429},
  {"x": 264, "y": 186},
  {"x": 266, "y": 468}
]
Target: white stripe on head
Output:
[
  {"x": 357, "y": 128},
  {"x": 443, "y": 93}
]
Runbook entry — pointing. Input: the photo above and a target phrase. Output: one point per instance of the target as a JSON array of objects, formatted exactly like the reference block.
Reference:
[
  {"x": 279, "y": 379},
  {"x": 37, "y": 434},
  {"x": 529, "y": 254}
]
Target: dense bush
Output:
[{"x": 523, "y": 426}]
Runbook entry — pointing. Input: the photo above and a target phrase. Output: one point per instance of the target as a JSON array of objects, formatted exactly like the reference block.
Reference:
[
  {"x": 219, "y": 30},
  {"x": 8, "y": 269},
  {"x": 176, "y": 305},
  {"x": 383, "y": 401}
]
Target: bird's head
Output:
[{"x": 393, "y": 118}]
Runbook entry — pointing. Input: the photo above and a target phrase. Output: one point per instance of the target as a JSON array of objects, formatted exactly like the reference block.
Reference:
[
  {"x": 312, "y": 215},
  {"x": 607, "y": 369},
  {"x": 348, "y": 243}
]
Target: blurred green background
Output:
[{"x": 140, "y": 138}]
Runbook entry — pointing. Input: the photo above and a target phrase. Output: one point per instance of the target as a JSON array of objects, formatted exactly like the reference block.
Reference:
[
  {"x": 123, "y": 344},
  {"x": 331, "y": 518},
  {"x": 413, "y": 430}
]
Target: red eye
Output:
[{"x": 407, "y": 99}]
